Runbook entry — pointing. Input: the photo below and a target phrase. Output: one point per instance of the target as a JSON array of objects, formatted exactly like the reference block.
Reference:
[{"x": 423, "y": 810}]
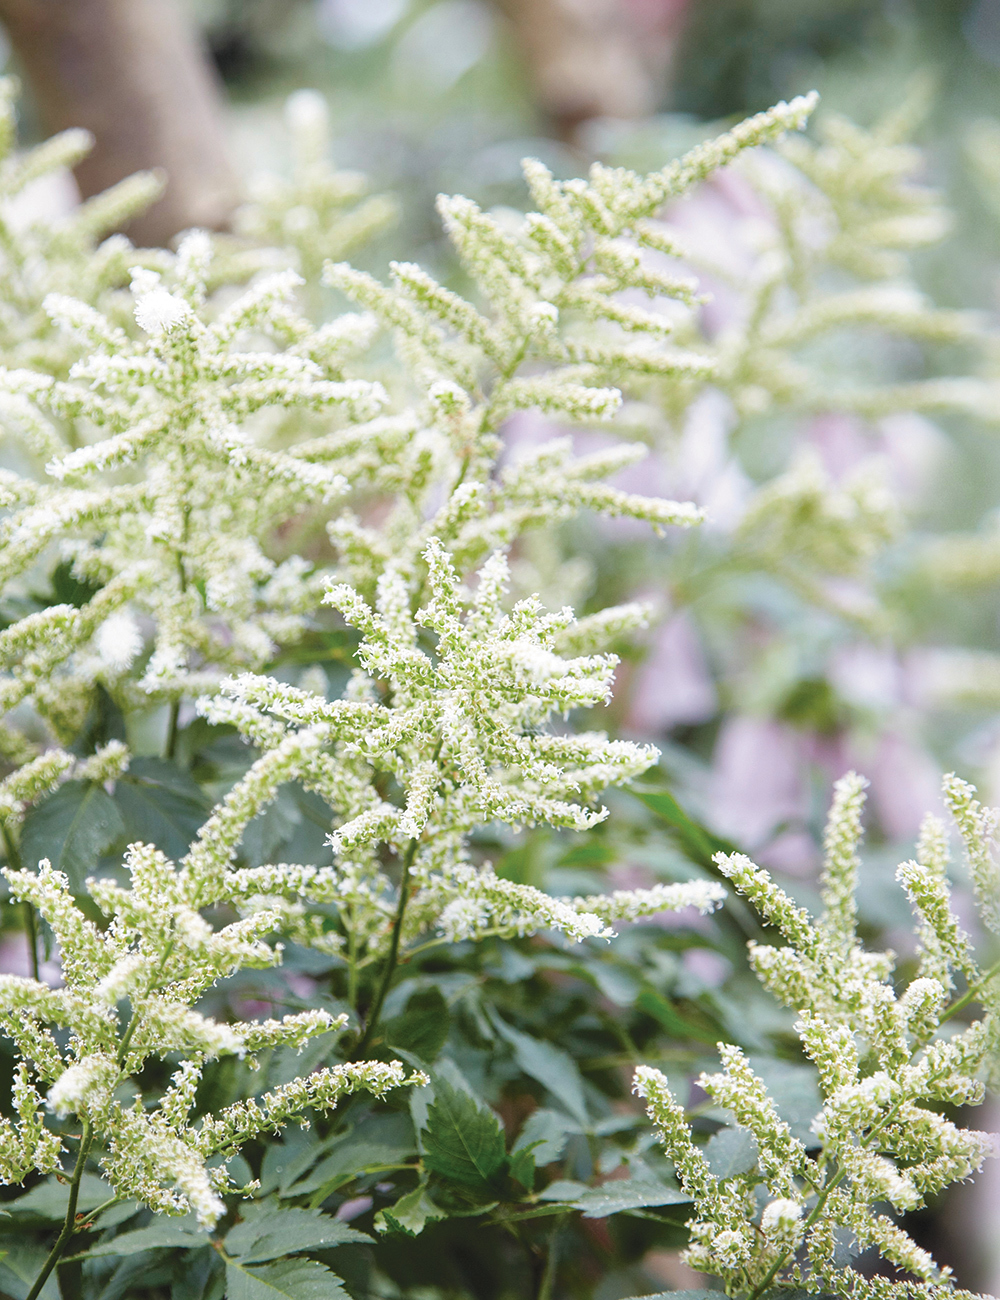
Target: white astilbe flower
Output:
[
  {"x": 884, "y": 1061},
  {"x": 466, "y": 735},
  {"x": 183, "y": 547},
  {"x": 153, "y": 954}
]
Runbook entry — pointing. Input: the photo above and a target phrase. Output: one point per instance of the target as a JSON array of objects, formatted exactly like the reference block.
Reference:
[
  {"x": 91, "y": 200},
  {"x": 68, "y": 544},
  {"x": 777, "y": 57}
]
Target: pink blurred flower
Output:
[
  {"x": 758, "y": 779},
  {"x": 14, "y": 960},
  {"x": 905, "y": 784},
  {"x": 673, "y": 685}
]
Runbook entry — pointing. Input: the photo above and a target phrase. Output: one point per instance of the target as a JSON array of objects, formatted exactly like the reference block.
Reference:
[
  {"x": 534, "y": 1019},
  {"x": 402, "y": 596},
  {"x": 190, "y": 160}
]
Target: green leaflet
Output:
[
  {"x": 544, "y": 1133},
  {"x": 463, "y": 1140},
  {"x": 379, "y": 1141},
  {"x": 267, "y": 1234},
  {"x": 550, "y": 1065},
  {"x": 292, "y": 1279},
  {"x": 423, "y": 1027},
  {"x": 615, "y": 1196},
  {"x": 73, "y": 828},
  {"x": 698, "y": 842},
  {"x": 160, "y": 804},
  {"x": 19, "y": 1267},
  {"x": 731, "y": 1151},
  {"x": 154, "y": 1236},
  {"x": 48, "y": 1200},
  {"x": 410, "y": 1214}
]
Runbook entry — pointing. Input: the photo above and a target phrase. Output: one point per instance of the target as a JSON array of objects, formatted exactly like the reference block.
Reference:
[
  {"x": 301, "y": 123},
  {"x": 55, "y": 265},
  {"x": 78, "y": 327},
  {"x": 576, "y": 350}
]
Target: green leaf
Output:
[
  {"x": 685, "y": 1295},
  {"x": 73, "y": 828},
  {"x": 674, "y": 1022},
  {"x": 156, "y": 1235},
  {"x": 104, "y": 721},
  {"x": 462, "y": 1141},
  {"x": 291, "y": 1279},
  {"x": 49, "y": 1199},
  {"x": 423, "y": 1027},
  {"x": 19, "y": 1267},
  {"x": 627, "y": 1194},
  {"x": 410, "y": 1214},
  {"x": 271, "y": 1233},
  {"x": 544, "y": 1134},
  {"x": 270, "y": 830},
  {"x": 551, "y": 1066},
  {"x": 160, "y": 805},
  {"x": 795, "y": 1093},
  {"x": 697, "y": 841},
  {"x": 378, "y": 1142},
  {"x": 522, "y": 1168},
  {"x": 731, "y": 1151}
]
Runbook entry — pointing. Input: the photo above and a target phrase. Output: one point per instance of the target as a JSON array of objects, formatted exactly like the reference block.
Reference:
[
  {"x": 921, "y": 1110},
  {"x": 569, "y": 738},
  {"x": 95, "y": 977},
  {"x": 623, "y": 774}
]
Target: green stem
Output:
[
  {"x": 971, "y": 993},
  {"x": 15, "y": 862},
  {"x": 392, "y": 960},
  {"x": 69, "y": 1224},
  {"x": 31, "y": 929},
  {"x": 85, "y": 1220},
  {"x": 352, "y": 964},
  {"x": 551, "y": 1262},
  {"x": 175, "y": 705},
  {"x": 170, "y": 748}
]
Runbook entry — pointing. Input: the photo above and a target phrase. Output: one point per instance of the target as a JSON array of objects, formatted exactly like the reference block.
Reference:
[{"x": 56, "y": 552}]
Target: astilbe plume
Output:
[{"x": 887, "y": 1058}]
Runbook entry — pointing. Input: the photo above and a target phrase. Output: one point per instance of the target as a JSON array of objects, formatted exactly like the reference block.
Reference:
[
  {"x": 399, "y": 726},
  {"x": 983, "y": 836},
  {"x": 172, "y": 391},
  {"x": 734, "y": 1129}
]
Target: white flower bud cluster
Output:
[{"x": 883, "y": 1060}]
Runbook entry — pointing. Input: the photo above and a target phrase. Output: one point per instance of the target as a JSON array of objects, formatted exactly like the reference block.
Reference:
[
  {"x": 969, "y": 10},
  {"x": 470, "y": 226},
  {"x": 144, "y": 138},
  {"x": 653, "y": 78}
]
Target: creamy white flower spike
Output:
[{"x": 884, "y": 1063}]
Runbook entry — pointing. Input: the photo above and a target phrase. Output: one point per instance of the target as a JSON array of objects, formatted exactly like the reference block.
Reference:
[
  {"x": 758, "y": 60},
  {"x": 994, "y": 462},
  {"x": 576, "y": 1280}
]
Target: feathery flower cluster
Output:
[
  {"x": 461, "y": 730},
  {"x": 885, "y": 1059},
  {"x": 158, "y": 955}
]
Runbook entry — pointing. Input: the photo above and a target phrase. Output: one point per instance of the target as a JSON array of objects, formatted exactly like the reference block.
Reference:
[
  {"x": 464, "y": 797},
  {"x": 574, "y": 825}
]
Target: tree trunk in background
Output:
[
  {"x": 132, "y": 72},
  {"x": 596, "y": 58}
]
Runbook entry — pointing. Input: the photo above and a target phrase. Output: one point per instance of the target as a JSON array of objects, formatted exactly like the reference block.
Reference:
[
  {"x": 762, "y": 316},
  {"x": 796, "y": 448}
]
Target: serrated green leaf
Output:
[
  {"x": 271, "y": 1233},
  {"x": 270, "y": 830},
  {"x": 410, "y": 1214},
  {"x": 684, "y": 1295},
  {"x": 549, "y": 1065},
  {"x": 291, "y": 1279},
  {"x": 423, "y": 1027},
  {"x": 152, "y": 1237},
  {"x": 795, "y": 1093},
  {"x": 522, "y": 1168},
  {"x": 545, "y": 1132},
  {"x": 463, "y": 1140},
  {"x": 160, "y": 805},
  {"x": 73, "y": 828},
  {"x": 731, "y": 1151}
]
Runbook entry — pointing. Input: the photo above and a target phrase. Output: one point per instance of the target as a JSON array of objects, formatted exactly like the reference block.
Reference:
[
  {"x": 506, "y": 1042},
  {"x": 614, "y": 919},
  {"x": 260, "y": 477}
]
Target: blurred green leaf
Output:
[{"x": 73, "y": 828}]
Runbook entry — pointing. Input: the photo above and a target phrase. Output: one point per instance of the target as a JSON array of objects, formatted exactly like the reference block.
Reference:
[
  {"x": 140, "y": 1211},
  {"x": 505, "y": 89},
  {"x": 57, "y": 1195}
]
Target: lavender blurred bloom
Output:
[
  {"x": 866, "y": 675},
  {"x": 758, "y": 779},
  {"x": 905, "y": 784},
  {"x": 673, "y": 685},
  {"x": 15, "y": 960}
]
